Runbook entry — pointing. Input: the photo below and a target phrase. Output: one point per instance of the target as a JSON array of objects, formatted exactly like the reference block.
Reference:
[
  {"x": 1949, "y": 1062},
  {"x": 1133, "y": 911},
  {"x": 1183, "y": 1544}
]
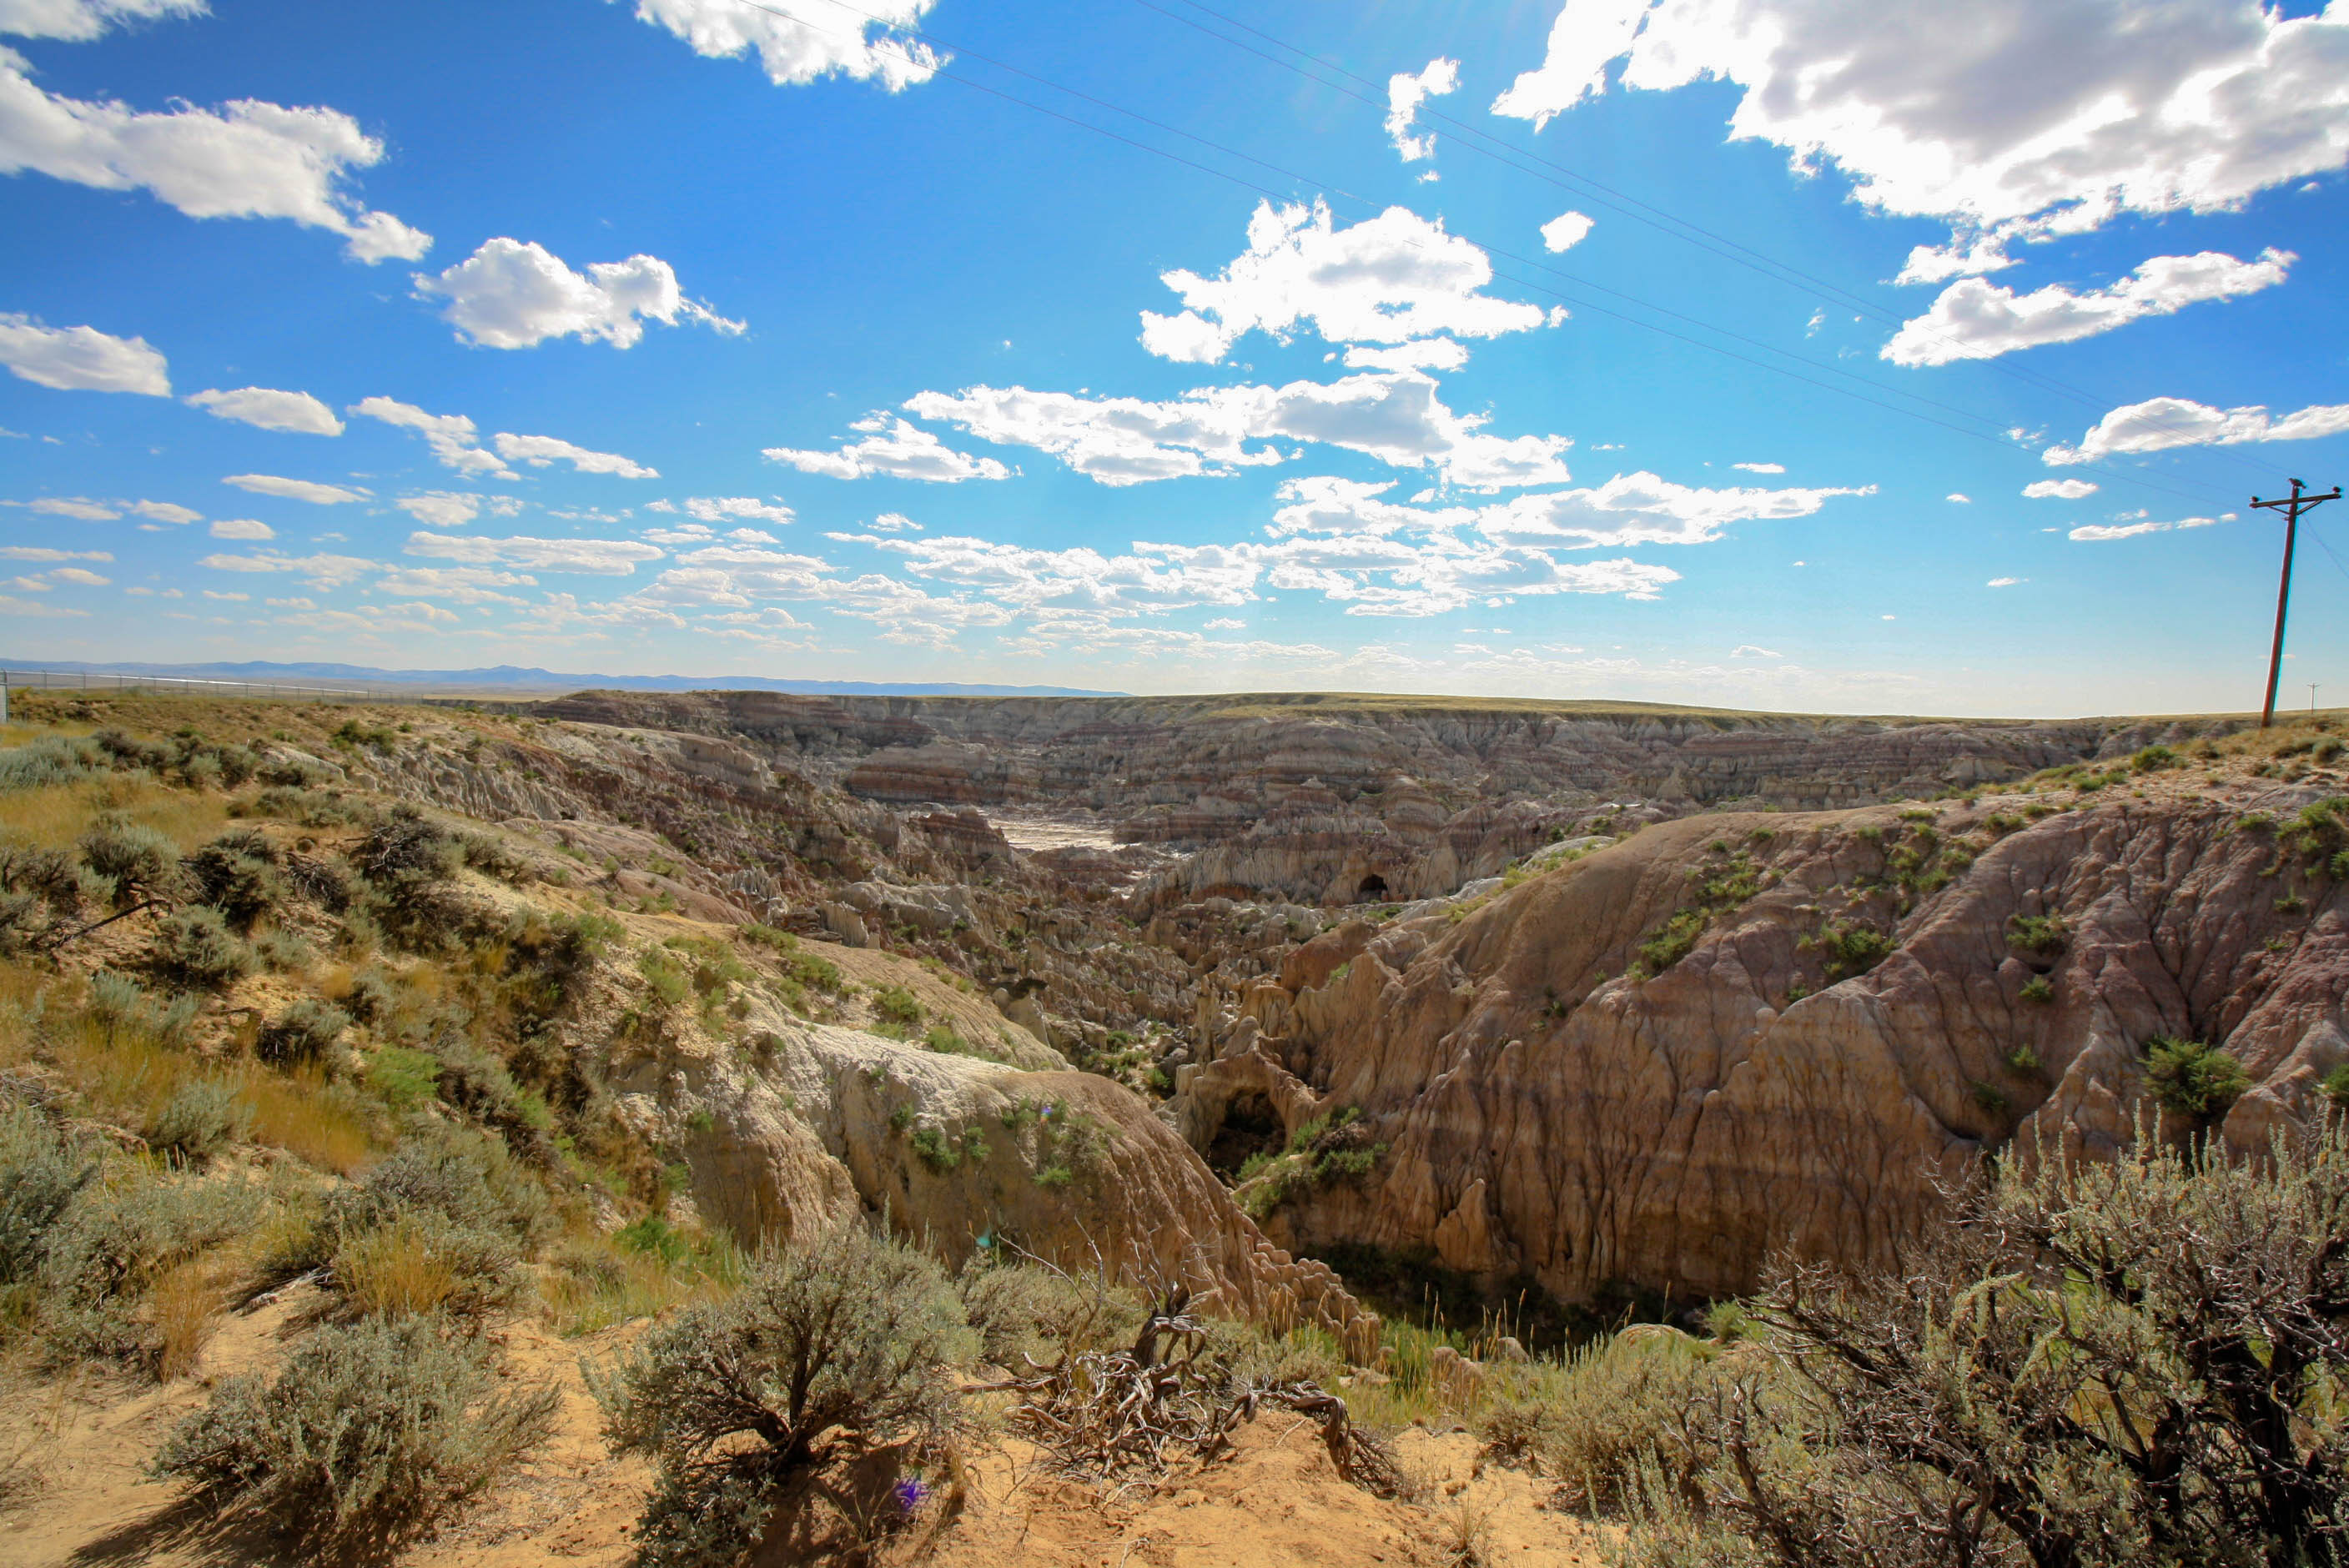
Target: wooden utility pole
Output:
[{"x": 2292, "y": 506}]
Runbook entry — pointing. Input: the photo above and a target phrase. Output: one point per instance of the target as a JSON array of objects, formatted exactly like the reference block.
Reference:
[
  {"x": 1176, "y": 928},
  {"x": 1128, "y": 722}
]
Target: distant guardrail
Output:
[{"x": 109, "y": 681}]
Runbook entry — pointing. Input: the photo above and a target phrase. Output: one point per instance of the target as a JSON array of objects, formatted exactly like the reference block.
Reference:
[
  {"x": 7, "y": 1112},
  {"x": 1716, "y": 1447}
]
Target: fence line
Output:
[{"x": 94, "y": 680}]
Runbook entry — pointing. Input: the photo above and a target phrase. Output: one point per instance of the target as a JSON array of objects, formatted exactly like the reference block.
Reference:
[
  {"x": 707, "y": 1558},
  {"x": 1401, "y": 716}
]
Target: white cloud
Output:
[
  {"x": 80, "y": 577},
  {"x": 2058, "y": 490},
  {"x": 80, "y": 508},
  {"x": 322, "y": 571},
  {"x": 1961, "y": 498},
  {"x": 798, "y": 41},
  {"x": 1427, "y": 354},
  {"x": 1565, "y": 230},
  {"x": 1761, "y": 468},
  {"x": 79, "y": 21},
  {"x": 232, "y": 598},
  {"x": 77, "y": 358},
  {"x": 242, "y": 528},
  {"x": 1388, "y": 279},
  {"x": 539, "y": 451},
  {"x": 1629, "y": 509},
  {"x": 452, "y": 438},
  {"x": 248, "y": 160},
  {"x": 2004, "y": 582},
  {"x": 509, "y": 294},
  {"x": 720, "y": 509},
  {"x": 461, "y": 584},
  {"x": 2097, "y": 533},
  {"x": 1976, "y": 319},
  {"x": 1396, "y": 417},
  {"x": 441, "y": 509},
  {"x": 1155, "y": 577},
  {"x": 2160, "y": 423},
  {"x": 893, "y": 450},
  {"x": 1406, "y": 92},
  {"x": 895, "y": 522},
  {"x": 606, "y": 557},
  {"x": 39, "y": 552},
  {"x": 1226, "y": 623},
  {"x": 166, "y": 511},
  {"x": 296, "y": 489},
  {"x": 1748, "y": 651},
  {"x": 2063, "y": 111},
  {"x": 298, "y": 412},
  {"x": 11, "y": 605}
]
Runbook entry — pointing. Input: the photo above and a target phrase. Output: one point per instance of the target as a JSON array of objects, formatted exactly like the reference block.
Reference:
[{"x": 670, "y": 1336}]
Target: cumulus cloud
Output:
[
  {"x": 1961, "y": 499},
  {"x": 1761, "y": 468},
  {"x": 81, "y": 509},
  {"x": 2058, "y": 490},
  {"x": 605, "y": 557},
  {"x": 1565, "y": 230},
  {"x": 41, "y": 553},
  {"x": 452, "y": 438},
  {"x": 509, "y": 294},
  {"x": 79, "y": 21},
  {"x": 2158, "y": 424},
  {"x": 2036, "y": 113},
  {"x": 1629, "y": 509},
  {"x": 1427, "y": 354},
  {"x": 77, "y": 358},
  {"x": 298, "y": 412},
  {"x": 720, "y": 509},
  {"x": 1387, "y": 279},
  {"x": 2099, "y": 533},
  {"x": 540, "y": 451},
  {"x": 1396, "y": 417},
  {"x": 894, "y": 449},
  {"x": 1976, "y": 319},
  {"x": 895, "y": 522},
  {"x": 2004, "y": 582},
  {"x": 459, "y": 584},
  {"x": 81, "y": 577},
  {"x": 296, "y": 489},
  {"x": 441, "y": 509},
  {"x": 1406, "y": 92},
  {"x": 249, "y": 159},
  {"x": 242, "y": 528},
  {"x": 320, "y": 570},
  {"x": 798, "y": 41}
]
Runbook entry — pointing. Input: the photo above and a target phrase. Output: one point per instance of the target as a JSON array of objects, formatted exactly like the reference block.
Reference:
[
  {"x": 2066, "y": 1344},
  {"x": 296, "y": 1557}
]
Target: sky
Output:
[{"x": 1805, "y": 354}]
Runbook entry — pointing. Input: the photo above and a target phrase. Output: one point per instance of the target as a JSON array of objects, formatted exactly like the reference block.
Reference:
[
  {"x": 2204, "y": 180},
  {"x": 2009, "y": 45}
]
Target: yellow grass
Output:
[
  {"x": 394, "y": 1271},
  {"x": 184, "y": 1301}
]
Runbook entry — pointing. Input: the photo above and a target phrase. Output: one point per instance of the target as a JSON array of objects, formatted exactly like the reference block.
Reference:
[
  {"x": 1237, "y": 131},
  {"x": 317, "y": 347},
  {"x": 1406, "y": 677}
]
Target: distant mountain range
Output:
[{"x": 515, "y": 676}]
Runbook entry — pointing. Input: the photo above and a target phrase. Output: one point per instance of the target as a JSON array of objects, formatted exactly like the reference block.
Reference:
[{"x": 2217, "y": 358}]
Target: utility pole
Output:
[{"x": 2292, "y": 506}]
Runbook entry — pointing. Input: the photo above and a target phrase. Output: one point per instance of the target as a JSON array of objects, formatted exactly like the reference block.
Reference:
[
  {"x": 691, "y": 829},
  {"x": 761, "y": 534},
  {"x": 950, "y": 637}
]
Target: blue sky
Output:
[{"x": 700, "y": 336}]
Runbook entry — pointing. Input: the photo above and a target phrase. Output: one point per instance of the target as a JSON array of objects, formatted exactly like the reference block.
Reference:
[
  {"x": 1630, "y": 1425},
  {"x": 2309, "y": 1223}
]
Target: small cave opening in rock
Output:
[
  {"x": 1250, "y": 1126},
  {"x": 1373, "y": 888}
]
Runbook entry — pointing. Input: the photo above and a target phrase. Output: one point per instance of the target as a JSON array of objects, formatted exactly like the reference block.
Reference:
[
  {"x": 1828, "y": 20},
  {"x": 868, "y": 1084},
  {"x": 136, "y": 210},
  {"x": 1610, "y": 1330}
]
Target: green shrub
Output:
[
  {"x": 2038, "y": 989},
  {"x": 202, "y": 1116},
  {"x": 665, "y": 980},
  {"x": 194, "y": 947},
  {"x": 138, "y": 861},
  {"x": 2154, "y": 758},
  {"x": 371, "y": 1433},
  {"x": 236, "y": 873},
  {"x": 842, "y": 1342},
  {"x": 2023, "y": 1061},
  {"x": 897, "y": 1009},
  {"x": 1850, "y": 950},
  {"x": 1023, "y": 1309},
  {"x": 2040, "y": 933},
  {"x": 2193, "y": 1078},
  {"x": 304, "y": 1032},
  {"x": 123, "y": 1233},
  {"x": 41, "y": 1173},
  {"x": 2335, "y": 1087}
]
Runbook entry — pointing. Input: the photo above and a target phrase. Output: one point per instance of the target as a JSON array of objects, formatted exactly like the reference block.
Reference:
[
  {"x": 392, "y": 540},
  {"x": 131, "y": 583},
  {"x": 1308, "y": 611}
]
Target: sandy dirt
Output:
[{"x": 1275, "y": 1500}]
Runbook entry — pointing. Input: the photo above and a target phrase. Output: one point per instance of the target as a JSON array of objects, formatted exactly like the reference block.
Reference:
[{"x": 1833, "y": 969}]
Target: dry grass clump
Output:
[
  {"x": 595, "y": 1281},
  {"x": 372, "y": 1433}
]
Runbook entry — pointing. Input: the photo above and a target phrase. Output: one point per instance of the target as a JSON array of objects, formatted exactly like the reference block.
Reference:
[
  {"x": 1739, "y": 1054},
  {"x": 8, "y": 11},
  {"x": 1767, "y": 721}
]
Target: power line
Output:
[
  {"x": 1654, "y": 216},
  {"x": 939, "y": 67}
]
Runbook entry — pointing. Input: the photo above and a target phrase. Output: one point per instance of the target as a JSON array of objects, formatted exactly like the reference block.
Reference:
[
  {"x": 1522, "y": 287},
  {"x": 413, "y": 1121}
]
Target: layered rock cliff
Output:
[{"x": 1653, "y": 1064}]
